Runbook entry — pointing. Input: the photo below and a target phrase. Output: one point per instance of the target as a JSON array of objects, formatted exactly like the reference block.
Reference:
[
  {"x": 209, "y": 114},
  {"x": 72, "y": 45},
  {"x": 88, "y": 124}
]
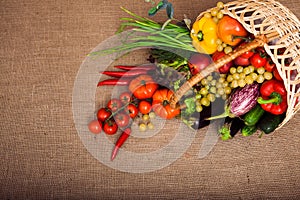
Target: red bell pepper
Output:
[{"x": 273, "y": 97}]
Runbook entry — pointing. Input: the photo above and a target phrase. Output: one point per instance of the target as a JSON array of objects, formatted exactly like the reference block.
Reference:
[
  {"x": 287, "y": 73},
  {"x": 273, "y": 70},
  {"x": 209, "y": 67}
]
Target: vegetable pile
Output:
[{"x": 248, "y": 91}]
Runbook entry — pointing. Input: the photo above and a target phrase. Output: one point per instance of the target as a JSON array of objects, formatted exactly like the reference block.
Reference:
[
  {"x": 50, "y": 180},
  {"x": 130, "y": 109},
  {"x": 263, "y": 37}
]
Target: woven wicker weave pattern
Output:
[{"x": 281, "y": 27}]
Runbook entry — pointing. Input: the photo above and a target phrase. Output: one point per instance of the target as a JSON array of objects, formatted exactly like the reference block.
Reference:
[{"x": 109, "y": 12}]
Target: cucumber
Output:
[
  {"x": 253, "y": 116},
  {"x": 248, "y": 130},
  {"x": 270, "y": 122}
]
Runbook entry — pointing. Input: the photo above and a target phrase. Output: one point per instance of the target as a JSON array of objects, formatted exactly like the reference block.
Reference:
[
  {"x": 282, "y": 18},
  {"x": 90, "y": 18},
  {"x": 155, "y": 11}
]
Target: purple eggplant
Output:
[
  {"x": 244, "y": 99},
  {"x": 241, "y": 101}
]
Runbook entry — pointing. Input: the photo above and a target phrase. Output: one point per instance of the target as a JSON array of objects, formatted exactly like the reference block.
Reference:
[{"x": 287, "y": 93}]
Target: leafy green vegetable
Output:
[
  {"x": 225, "y": 133},
  {"x": 190, "y": 105},
  {"x": 177, "y": 84}
]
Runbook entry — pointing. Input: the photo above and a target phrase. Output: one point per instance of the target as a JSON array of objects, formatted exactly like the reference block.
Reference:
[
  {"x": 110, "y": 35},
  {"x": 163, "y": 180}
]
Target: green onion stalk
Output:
[{"x": 148, "y": 33}]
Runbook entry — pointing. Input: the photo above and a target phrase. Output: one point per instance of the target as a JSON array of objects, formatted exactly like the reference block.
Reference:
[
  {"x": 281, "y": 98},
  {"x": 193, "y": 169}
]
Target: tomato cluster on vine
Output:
[{"x": 118, "y": 113}]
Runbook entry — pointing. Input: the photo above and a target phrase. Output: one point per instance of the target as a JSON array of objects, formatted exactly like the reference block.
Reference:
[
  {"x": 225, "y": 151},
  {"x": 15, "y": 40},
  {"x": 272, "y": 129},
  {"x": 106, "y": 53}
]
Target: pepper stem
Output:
[
  {"x": 246, "y": 39},
  {"x": 200, "y": 36},
  {"x": 275, "y": 98}
]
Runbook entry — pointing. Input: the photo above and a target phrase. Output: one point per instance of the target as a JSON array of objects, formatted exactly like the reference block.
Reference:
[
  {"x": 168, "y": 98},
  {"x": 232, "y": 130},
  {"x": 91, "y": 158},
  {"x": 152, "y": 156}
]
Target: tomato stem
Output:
[
  {"x": 118, "y": 110},
  {"x": 165, "y": 103}
]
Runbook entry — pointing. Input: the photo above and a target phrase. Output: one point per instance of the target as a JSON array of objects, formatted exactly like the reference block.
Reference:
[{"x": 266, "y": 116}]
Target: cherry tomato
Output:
[
  {"x": 103, "y": 114},
  {"x": 258, "y": 61},
  {"x": 122, "y": 119},
  {"x": 247, "y": 54},
  {"x": 114, "y": 104},
  {"x": 260, "y": 50},
  {"x": 276, "y": 74},
  {"x": 125, "y": 97},
  {"x": 225, "y": 68},
  {"x": 241, "y": 61},
  {"x": 110, "y": 127},
  {"x": 95, "y": 127},
  {"x": 132, "y": 110},
  {"x": 144, "y": 107},
  {"x": 269, "y": 66}
]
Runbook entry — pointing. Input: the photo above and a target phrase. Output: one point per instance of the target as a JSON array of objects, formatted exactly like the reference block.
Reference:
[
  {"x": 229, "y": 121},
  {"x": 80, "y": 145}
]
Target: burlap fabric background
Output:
[{"x": 43, "y": 44}]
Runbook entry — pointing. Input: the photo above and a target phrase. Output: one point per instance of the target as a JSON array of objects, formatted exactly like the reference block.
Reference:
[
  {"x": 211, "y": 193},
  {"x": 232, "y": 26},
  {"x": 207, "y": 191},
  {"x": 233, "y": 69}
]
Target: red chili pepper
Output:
[
  {"x": 130, "y": 73},
  {"x": 115, "y": 81},
  {"x": 144, "y": 67},
  {"x": 274, "y": 97},
  {"x": 125, "y": 134}
]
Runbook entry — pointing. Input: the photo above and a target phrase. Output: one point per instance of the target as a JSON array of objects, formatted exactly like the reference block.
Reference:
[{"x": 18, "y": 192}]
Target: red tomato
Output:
[
  {"x": 247, "y": 54},
  {"x": 269, "y": 66},
  {"x": 110, "y": 127},
  {"x": 144, "y": 107},
  {"x": 143, "y": 86},
  {"x": 125, "y": 97},
  {"x": 161, "y": 104},
  {"x": 114, "y": 104},
  {"x": 260, "y": 50},
  {"x": 103, "y": 114},
  {"x": 95, "y": 127},
  {"x": 258, "y": 61},
  {"x": 225, "y": 68},
  {"x": 276, "y": 74},
  {"x": 241, "y": 61},
  {"x": 122, "y": 119},
  {"x": 132, "y": 110}
]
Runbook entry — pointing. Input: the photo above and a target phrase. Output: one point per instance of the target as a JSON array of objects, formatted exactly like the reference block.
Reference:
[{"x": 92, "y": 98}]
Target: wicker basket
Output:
[{"x": 274, "y": 27}]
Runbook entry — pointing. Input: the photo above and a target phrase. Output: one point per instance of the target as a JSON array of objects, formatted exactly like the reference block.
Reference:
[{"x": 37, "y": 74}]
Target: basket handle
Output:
[{"x": 259, "y": 41}]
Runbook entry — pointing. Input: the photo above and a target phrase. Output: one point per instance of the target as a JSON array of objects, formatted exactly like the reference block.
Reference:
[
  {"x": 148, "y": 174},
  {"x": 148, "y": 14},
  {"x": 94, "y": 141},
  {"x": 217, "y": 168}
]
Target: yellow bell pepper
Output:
[{"x": 204, "y": 35}]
